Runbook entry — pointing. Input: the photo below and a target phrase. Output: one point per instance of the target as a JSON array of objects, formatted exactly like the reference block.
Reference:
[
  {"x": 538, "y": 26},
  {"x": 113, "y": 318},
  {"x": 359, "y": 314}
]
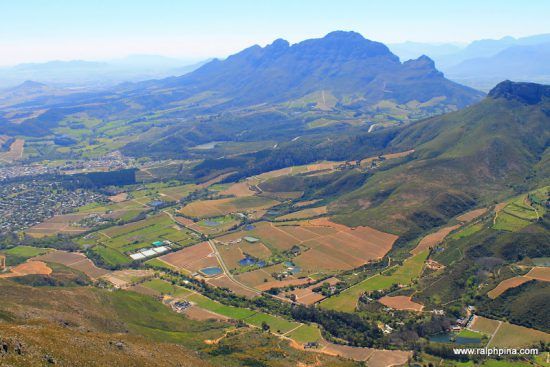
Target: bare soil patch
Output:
[
  {"x": 433, "y": 239},
  {"x": 28, "y": 268},
  {"x": 402, "y": 303},
  {"x": 505, "y": 285}
]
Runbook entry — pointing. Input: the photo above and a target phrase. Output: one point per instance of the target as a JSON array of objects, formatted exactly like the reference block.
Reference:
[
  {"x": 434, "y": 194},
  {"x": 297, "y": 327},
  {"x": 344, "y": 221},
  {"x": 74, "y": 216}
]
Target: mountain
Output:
[
  {"x": 524, "y": 63},
  {"x": 488, "y": 48},
  {"x": 486, "y": 152},
  {"x": 342, "y": 65}
]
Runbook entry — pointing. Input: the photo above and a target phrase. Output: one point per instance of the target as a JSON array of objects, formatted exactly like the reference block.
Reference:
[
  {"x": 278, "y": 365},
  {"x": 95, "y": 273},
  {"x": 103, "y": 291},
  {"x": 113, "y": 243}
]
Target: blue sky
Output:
[{"x": 40, "y": 30}]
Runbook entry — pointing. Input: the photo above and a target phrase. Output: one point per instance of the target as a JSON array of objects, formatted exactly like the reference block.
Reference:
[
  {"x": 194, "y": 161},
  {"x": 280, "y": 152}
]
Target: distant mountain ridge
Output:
[{"x": 342, "y": 63}]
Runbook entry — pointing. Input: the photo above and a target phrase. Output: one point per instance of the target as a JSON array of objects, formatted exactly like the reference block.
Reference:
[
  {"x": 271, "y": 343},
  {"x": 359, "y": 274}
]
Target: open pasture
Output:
[
  {"x": 402, "y": 274},
  {"x": 220, "y": 207}
]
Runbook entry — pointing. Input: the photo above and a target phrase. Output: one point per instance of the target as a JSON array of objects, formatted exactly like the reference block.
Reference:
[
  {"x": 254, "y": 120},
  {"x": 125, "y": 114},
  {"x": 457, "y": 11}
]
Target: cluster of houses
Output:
[{"x": 158, "y": 248}]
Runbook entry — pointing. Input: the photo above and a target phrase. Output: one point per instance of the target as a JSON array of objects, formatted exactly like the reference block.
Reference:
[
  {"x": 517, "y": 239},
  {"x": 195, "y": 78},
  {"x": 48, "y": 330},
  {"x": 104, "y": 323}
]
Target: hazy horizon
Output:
[{"x": 40, "y": 31}]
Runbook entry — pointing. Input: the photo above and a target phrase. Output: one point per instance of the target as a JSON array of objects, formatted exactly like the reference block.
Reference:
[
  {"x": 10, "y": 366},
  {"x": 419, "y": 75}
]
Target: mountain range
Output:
[
  {"x": 483, "y": 63},
  {"x": 342, "y": 76}
]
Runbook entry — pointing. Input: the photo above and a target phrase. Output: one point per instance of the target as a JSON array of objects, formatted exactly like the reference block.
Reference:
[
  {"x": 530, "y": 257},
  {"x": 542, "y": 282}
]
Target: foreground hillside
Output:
[{"x": 84, "y": 326}]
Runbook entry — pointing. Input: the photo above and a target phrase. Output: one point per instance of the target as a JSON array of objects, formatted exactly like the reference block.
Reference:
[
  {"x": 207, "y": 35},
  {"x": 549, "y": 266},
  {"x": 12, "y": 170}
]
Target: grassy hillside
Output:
[{"x": 483, "y": 153}]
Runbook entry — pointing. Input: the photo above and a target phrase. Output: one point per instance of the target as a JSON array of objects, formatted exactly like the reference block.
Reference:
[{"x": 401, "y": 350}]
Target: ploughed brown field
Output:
[
  {"x": 325, "y": 245},
  {"x": 471, "y": 215},
  {"x": 433, "y": 239},
  {"x": 28, "y": 268},
  {"x": 539, "y": 273},
  {"x": 403, "y": 303},
  {"x": 505, "y": 285},
  {"x": 15, "y": 152},
  {"x": 74, "y": 260},
  {"x": 57, "y": 224},
  {"x": 192, "y": 258}
]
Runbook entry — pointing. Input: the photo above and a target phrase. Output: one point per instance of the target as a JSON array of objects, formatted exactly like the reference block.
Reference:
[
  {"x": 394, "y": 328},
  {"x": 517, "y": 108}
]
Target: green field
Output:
[
  {"x": 276, "y": 324},
  {"x": 19, "y": 254},
  {"x": 229, "y": 311},
  {"x": 518, "y": 214},
  {"x": 114, "y": 243},
  {"x": 156, "y": 263},
  {"x": 467, "y": 231},
  {"x": 465, "y": 333},
  {"x": 306, "y": 333},
  {"x": 404, "y": 274},
  {"x": 164, "y": 287}
]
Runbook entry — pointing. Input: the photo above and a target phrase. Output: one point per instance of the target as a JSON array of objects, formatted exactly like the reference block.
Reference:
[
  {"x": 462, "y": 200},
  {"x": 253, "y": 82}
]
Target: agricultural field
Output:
[
  {"x": 520, "y": 212},
  {"x": 19, "y": 254},
  {"x": 305, "y": 334},
  {"x": 324, "y": 246},
  {"x": 65, "y": 224},
  {"x": 28, "y": 268},
  {"x": 14, "y": 153},
  {"x": 192, "y": 258},
  {"x": 402, "y": 303},
  {"x": 541, "y": 273},
  {"x": 254, "y": 318},
  {"x": 403, "y": 274},
  {"x": 504, "y": 334},
  {"x": 114, "y": 243},
  {"x": 220, "y": 207},
  {"x": 434, "y": 239},
  {"x": 304, "y": 213},
  {"x": 74, "y": 260}
]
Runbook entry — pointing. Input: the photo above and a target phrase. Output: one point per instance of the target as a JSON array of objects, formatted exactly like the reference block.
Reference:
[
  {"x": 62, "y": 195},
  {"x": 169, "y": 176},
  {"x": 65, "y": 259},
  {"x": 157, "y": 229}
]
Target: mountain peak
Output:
[
  {"x": 344, "y": 35},
  {"x": 530, "y": 93}
]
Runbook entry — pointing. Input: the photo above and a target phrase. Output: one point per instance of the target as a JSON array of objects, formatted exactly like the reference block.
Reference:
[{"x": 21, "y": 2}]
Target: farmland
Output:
[
  {"x": 519, "y": 213},
  {"x": 538, "y": 272},
  {"x": 325, "y": 246},
  {"x": 192, "y": 258},
  {"x": 504, "y": 334},
  {"x": 75, "y": 261},
  {"x": 403, "y": 274},
  {"x": 220, "y": 207},
  {"x": 113, "y": 243},
  {"x": 402, "y": 303}
]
